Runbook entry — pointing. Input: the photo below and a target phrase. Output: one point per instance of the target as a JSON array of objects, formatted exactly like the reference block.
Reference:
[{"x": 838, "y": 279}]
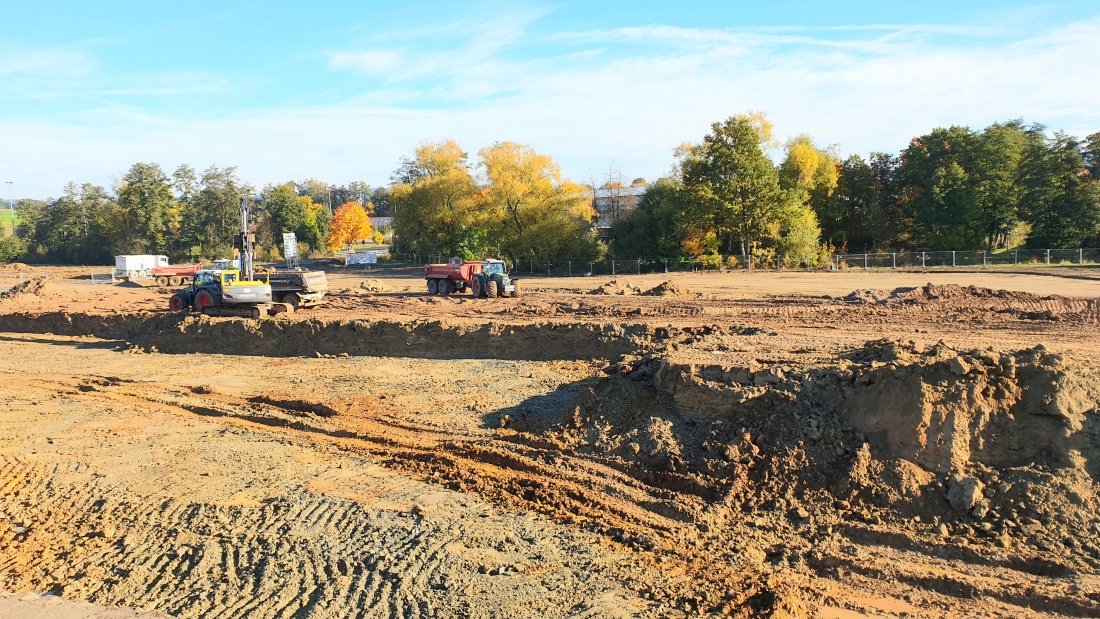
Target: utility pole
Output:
[{"x": 11, "y": 207}]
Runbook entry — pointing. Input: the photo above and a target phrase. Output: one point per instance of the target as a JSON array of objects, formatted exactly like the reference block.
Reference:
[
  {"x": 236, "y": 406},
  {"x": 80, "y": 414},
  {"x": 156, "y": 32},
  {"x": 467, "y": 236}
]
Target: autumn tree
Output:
[
  {"x": 530, "y": 209},
  {"x": 807, "y": 178},
  {"x": 349, "y": 224},
  {"x": 432, "y": 203}
]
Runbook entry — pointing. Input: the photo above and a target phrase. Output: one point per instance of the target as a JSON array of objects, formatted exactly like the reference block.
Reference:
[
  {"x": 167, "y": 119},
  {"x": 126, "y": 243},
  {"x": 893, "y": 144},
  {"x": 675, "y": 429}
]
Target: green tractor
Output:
[{"x": 493, "y": 281}]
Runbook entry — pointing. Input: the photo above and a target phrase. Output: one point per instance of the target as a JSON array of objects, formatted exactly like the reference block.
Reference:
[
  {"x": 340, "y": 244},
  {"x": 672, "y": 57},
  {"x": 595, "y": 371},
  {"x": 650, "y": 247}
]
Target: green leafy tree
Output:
[
  {"x": 1060, "y": 199},
  {"x": 936, "y": 178},
  {"x": 656, "y": 228},
  {"x": 735, "y": 184},
  {"x": 285, "y": 211},
  {"x": 73, "y": 229},
  {"x": 147, "y": 213},
  {"x": 217, "y": 209}
]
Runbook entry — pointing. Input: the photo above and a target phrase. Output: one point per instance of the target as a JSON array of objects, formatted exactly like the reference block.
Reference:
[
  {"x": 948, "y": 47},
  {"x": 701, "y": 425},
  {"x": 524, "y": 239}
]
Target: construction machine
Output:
[{"x": 231, "y": 292}]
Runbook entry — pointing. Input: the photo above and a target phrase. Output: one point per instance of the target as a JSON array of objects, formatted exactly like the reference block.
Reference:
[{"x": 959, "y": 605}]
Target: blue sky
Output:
[{"x": 340, "y": 90}]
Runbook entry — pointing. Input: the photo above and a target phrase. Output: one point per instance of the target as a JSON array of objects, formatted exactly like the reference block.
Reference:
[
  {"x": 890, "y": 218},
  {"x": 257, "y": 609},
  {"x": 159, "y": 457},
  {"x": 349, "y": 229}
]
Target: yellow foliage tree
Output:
[
  {"x": 532, "y": 210},
  {"x": 350, "y": 223}
]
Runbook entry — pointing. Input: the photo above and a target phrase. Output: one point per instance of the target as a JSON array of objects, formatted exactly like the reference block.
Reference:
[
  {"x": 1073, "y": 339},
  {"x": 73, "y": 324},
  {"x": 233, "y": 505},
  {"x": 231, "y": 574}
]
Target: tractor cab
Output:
[{"x": 493, "y": 267}]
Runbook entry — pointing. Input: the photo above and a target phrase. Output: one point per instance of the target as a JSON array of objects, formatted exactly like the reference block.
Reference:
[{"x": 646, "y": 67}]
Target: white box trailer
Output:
[{"x": 138, "y": 266}]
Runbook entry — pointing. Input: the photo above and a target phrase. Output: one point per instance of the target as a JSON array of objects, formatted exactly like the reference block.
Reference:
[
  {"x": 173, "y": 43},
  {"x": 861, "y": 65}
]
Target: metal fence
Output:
[
  {"x": 975, "y": 258},
  {"x": 897, "y": 260}
]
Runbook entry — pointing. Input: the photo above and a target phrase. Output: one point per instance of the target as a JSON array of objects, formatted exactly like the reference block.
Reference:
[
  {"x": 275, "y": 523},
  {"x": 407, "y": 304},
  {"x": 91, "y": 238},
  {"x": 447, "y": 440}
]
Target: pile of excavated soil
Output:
[
  {"x": 865, "y": 296},
  {"x": 367, "y": 286},
  {"x": 1001, "y": 448},
  {"x": 37, "y": 288},
  {"x": 932, "y": 293},
  {"x": 18, "y": 267},
  {"x": 615, "y": 287},
  {"x": 373, "y": 285},
  {"x": 668, "y": 289}
]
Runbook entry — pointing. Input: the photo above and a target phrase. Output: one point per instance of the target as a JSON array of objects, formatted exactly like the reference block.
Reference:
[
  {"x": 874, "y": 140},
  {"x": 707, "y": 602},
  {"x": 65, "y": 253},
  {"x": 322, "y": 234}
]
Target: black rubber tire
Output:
[
  {"x": 178, "y": 304},
  {"x": 515, "y": 290},
  {"x": 444, "y": 287},
  {"x": 293, "y": 300},
  {"x": 475, "y": 288},
  {"x": 493, "y": 290},
  {"x": 162, "y": 281},
  {"x": 174, "y": 281},
  {"x": 433, "y": 286},
  {"x": 203, "y": 300}
]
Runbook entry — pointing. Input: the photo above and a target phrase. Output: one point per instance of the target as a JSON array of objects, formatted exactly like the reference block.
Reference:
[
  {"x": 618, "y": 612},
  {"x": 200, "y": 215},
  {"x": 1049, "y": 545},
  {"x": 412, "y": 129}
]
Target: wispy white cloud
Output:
[
  {"x": 57, "y": 62},
  {"x": 632, "y": 94}
]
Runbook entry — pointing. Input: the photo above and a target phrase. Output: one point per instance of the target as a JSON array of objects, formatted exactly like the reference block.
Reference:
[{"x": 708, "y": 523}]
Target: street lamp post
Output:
[{"x": 11, "y": 207}]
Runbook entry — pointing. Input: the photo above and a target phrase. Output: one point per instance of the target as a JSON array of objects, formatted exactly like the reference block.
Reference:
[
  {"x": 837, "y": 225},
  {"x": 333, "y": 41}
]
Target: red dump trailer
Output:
[
  {"x": 181, "y": 275},
  {"x": 455, "y": 276}
]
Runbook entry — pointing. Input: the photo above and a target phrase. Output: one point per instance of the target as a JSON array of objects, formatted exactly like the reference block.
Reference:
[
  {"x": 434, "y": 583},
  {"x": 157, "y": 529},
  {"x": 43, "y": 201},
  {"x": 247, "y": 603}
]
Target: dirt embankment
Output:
[
  {"x": 999, "y": 451},
  {"x": 170, "y": 333}
]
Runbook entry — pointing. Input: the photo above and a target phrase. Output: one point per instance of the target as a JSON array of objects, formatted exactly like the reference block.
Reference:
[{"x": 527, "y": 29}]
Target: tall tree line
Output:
[
  {"x": 185, "y": 215},
  {"x": 1009, "y": 185}
]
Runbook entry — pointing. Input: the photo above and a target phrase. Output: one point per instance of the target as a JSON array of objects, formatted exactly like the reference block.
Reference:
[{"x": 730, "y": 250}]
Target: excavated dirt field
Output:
[{"x": 841, "y": 445}]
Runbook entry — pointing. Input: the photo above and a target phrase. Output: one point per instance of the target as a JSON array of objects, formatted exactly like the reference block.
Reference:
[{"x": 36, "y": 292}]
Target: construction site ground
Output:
[{"x": 846, "y": 445}]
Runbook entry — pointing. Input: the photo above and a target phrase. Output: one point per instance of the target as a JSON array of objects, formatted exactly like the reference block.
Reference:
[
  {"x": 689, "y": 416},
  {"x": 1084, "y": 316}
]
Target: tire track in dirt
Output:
[
  {"x": 301, "y": 555},
  {"x": 561, "y": 485}
]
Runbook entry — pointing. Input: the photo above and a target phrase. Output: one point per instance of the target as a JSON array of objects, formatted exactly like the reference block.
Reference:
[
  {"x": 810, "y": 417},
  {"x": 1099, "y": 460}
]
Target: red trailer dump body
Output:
[
  {"x": 450, "y": 277},
  {"x": 177, "y": 275}
]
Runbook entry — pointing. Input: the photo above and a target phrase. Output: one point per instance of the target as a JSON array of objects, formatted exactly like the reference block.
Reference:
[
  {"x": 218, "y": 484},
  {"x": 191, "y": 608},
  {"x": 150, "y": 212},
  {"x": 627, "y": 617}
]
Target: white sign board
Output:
[
  {"x": 290, "y": 245},
  {"x": 370, "y": 258}
]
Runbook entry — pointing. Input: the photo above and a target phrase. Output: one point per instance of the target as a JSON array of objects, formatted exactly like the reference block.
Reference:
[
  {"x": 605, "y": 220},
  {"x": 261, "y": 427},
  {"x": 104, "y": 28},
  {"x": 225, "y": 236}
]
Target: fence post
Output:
[
  {"x": 547, "y": 267},
  {"x": 983, "y": 257},
  {"x": 1048, "y": 256},
  {"x": 952, "y": 257},
  {"x": 570, "y": 267},
  {"x": 1081, "y": 256},
  {"x": 1015, "y": 257},
  {"x": 864, "y": 262},
  {"x": 894, "y": 259},
  {"x": 666, "y": 265},
  {"x": 612, "y": 266},
  {"x": 638, "y": 270},
  {"x": 590, "y": 269},
  {"x": 923, "y": 255}
]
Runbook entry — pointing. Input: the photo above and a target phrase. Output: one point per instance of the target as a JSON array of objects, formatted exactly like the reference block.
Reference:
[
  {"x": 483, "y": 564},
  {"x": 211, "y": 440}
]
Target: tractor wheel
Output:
[
  {"x": 476, "y": 288},
  {"x": 492, "y": 293},
  {"x": 174, "y": 281},
  {"x": 444, "y": 287},
  {"x": 177, "y": 304},
  {"x": 162, "y": 281},
  {"x": 515, "y": 289},
  {"x": 293, "y": 300},
  {"x": 203, "y": 300},
  {"x": 433, "y": 286}
]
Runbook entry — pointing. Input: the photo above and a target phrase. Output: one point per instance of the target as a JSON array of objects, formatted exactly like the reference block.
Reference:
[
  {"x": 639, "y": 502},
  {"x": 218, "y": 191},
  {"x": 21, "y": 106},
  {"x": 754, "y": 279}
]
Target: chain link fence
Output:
[
  {"x": 975, "y": 258},
  {"x": 897, "y": 260}
]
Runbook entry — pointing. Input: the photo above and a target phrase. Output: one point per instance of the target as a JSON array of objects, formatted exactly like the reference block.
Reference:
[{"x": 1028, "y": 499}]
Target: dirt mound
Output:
[
  {"x": 37, "y": 288},
  {"x": 867, "y": 296},
  {"x": 615, "y": 287},
  {"x": 932, "y": 293},
  {"x": 999, "y": 446},
  {"x": 18, "y": 267},
  {"x": 373, "y": 285},
  {"x": 668, "y": 289}
]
